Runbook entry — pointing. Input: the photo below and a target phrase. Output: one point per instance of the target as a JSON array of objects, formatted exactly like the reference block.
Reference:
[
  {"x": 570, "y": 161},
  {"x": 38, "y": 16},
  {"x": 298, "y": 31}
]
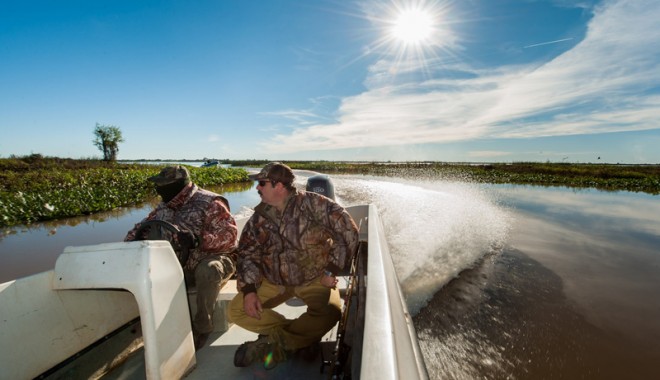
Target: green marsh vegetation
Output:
[
  {"x": 609, "y": 177},
  {"x": 36, "y": 188}
]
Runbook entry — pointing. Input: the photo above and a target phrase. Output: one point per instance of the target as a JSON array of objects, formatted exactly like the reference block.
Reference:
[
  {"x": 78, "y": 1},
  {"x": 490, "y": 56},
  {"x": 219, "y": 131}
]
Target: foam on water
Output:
[{"x": 434, "y": 229}]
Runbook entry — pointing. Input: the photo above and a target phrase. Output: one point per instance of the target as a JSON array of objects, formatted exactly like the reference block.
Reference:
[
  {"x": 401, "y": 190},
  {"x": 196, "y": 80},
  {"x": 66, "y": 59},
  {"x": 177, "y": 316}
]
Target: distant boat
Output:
[{"x": 210, "y": 164}]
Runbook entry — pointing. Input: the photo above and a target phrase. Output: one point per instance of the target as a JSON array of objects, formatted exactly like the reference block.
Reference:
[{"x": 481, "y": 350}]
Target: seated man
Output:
[
  {"x": 293, "y": 245},
  {"x": 203, "y": 233}
]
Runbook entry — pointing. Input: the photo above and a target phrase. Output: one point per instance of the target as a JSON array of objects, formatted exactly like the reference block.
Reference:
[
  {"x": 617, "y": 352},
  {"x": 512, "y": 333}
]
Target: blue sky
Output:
[{"x": 474, "y": 80}]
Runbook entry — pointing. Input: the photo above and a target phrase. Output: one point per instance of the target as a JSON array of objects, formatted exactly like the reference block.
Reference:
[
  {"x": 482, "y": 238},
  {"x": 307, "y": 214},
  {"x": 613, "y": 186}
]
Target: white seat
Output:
[{"x": 152, "y": 273}]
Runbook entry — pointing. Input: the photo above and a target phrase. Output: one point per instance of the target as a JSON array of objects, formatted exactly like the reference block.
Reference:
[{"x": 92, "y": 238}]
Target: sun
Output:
[
  {"x": 414, "y": 36},
  {"x": 413, "y": 26}
]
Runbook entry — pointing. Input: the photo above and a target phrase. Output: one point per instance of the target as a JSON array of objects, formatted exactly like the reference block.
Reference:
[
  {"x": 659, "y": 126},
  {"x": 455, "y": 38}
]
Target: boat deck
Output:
[{"x": 216, "y": 358}]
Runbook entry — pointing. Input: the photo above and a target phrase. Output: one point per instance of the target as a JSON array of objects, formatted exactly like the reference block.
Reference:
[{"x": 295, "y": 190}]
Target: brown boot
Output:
[
  {"x": 275, "y": 355},
  {"x": 248, "y": 352}
]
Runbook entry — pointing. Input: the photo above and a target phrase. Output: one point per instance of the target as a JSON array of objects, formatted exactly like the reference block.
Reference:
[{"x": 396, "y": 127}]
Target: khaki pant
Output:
[
  {"x": 210, "y": 275},
  {"x": 323, "y": 312}
]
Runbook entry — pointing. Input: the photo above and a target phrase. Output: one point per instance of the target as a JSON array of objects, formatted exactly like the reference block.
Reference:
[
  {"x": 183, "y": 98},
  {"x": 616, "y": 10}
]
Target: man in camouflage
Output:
[
  {"x": 206, "y": 231},
  {"x": 293, "y": 245}
]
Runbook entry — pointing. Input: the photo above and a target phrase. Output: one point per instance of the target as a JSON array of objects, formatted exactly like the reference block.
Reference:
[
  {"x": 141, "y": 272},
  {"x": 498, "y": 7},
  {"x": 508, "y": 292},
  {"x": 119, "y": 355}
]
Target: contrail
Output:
[{"x": 548, "y": 43}]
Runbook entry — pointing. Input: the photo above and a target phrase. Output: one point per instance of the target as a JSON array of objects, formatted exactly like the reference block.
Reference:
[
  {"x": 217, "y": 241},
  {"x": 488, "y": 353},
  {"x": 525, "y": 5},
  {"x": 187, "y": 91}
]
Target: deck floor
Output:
[{"x": 216, "y": 359}]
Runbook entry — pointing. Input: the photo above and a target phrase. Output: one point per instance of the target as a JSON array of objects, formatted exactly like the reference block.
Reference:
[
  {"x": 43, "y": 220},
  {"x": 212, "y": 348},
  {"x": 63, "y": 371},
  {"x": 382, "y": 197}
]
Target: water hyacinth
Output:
[{"x": 45, "y": 194}]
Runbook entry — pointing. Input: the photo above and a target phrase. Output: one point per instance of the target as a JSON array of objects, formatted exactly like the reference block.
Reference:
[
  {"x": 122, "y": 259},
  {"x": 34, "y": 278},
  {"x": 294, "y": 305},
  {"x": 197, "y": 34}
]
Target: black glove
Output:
[{"x": 187, "y": 239}]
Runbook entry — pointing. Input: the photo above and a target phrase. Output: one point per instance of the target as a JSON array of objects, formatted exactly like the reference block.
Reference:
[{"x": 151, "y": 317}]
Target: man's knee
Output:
[
  {"x": 214, "y": 271},
  {"x": 329, "y": 312}
]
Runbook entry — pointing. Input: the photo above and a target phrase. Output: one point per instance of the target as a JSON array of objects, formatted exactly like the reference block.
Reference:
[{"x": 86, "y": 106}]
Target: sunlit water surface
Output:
[{"x": 503, "y": 281}]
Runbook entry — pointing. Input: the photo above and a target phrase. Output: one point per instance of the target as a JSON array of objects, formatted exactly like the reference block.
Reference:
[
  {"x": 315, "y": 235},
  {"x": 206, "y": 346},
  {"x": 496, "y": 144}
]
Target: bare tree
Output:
[{"x": 107, "y": 140}]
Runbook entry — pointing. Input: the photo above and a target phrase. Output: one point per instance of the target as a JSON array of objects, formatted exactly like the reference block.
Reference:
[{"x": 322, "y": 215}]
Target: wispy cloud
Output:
[
  {"x": 301, "y": 117},
  {"x": 608, "y": 82},
  {"x": 547, "y": 43}
]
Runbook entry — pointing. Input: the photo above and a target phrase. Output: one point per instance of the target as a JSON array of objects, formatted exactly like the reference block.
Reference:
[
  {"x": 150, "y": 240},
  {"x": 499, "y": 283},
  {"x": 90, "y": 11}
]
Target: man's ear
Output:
[{"x": 280, "y": 187}]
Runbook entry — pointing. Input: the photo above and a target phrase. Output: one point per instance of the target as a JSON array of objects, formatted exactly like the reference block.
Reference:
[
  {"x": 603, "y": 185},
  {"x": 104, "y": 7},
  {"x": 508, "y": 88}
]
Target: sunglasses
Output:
[{"x": 263, "y": 183}]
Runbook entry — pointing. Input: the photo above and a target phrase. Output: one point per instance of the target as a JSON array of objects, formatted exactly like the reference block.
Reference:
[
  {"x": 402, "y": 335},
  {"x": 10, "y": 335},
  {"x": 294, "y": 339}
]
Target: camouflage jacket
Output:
[
  {"x": 206, "y": 215},
  {"x": 313, "y": 234}
]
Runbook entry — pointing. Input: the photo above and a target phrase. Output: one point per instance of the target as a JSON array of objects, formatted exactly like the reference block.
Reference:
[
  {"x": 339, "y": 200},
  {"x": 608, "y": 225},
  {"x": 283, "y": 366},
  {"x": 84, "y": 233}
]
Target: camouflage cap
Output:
[
  {"x": 275, "y": 171},
  {"x": 171, "y": 174}
]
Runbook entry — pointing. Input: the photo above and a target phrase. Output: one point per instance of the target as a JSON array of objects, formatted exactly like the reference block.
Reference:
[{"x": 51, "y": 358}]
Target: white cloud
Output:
[
  {"x": 302, "y": 117},
  {"x": 607, "y": 83}
]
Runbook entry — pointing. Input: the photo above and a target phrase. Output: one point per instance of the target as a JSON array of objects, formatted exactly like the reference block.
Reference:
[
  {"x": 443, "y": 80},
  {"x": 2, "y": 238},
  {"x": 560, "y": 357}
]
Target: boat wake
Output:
[{"x": 434, "y": 229}]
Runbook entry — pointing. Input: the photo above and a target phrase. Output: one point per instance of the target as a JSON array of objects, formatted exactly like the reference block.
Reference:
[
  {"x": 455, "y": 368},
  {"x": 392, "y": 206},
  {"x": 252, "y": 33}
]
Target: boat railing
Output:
[{"x": 390, "y": 347}]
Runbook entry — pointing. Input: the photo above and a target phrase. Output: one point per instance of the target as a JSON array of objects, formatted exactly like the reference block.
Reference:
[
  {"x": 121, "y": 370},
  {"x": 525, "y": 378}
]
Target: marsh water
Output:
[{"x": 504, "y": 282}]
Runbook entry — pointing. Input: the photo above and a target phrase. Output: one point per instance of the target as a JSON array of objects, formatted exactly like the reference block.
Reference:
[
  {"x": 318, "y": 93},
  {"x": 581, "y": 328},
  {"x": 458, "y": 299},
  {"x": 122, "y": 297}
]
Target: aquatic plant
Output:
[{"x": 30, "y": 195}]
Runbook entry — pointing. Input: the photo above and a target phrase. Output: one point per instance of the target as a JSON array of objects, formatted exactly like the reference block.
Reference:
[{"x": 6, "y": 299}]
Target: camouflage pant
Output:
[{"x": 210, "y": 275}]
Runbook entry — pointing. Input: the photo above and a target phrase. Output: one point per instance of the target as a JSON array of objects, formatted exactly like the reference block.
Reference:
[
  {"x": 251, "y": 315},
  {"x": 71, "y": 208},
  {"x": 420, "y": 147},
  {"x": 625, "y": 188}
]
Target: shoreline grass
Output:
[{"x": 47, "y": 189}]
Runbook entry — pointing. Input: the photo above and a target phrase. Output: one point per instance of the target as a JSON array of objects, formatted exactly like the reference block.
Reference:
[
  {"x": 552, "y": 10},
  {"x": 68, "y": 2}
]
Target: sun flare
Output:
[
  {"x": 413, "y": 26},
  {"x": 416, "y": 36}
]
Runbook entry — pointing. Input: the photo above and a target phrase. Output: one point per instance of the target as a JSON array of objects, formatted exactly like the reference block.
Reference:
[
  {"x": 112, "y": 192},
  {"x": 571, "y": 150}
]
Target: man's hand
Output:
[
  {"x": 329, "y": 281},
  {"x": 252, "y": 305}
]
